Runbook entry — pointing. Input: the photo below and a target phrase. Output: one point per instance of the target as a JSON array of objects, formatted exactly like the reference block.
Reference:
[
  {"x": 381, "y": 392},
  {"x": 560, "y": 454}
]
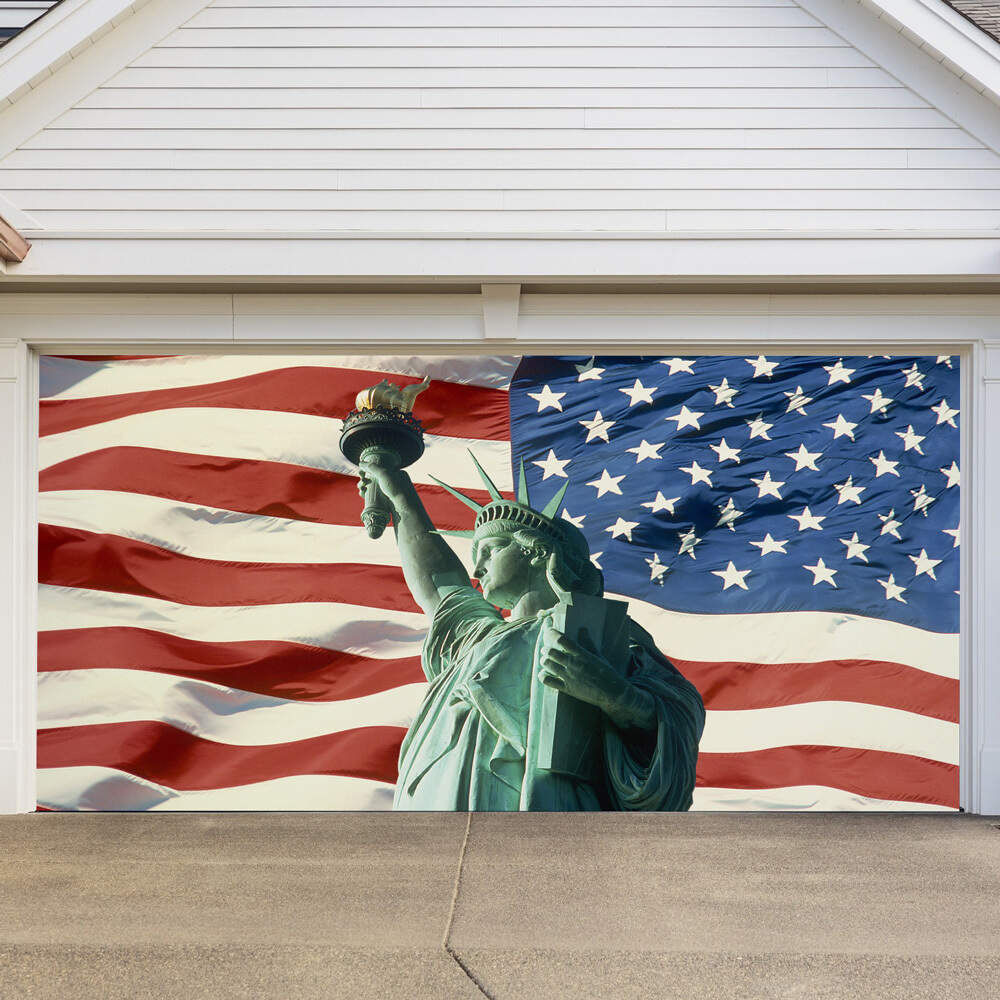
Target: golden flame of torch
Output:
[{"x": 386, "y": 395}]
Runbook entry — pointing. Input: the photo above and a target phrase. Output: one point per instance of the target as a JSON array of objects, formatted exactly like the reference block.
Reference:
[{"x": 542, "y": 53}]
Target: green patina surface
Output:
[{"x": 564, "y": 705}]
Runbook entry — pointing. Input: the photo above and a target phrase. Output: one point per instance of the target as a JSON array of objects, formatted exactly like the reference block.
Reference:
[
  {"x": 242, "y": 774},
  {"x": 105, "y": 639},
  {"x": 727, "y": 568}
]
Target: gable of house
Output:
[{"x": 733, "y": 115}]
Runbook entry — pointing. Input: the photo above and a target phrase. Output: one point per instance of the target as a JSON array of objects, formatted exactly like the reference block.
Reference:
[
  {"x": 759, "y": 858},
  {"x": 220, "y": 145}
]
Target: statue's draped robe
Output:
[{"x": 469, "y": 745}]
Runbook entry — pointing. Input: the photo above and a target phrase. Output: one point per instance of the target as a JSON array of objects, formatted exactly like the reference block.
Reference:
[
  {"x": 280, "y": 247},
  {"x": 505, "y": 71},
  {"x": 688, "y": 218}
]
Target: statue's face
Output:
[{"x": 503, "y": 570}]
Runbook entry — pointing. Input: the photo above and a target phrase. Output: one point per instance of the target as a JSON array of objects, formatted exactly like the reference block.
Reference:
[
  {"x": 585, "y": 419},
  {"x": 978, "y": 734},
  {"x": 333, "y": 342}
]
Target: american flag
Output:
[{"x": 218, "y": 632}]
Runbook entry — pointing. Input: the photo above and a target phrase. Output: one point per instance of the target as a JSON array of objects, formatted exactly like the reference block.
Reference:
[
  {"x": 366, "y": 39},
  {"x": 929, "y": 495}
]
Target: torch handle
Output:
[{"x": 377, "y": 511}]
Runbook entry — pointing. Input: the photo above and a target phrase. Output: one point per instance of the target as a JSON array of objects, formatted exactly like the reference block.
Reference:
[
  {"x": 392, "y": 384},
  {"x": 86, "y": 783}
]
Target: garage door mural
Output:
[{"x": 635, "y": 583}]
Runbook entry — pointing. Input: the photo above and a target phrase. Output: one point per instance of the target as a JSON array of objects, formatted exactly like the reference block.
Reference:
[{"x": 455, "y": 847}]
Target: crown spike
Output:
[
  {"x": 459, "y": 496},
  {"x": 457, "y": 533},
  {"x": 487, "y": 482},
  {"x": 553, "y": 505},
  {"x": 522, "y": 488}
]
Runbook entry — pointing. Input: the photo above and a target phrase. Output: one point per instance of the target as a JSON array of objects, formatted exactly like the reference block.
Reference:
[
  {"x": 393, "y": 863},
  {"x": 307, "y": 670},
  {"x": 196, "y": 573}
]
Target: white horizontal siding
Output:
[{"x": 431, "y": 116}]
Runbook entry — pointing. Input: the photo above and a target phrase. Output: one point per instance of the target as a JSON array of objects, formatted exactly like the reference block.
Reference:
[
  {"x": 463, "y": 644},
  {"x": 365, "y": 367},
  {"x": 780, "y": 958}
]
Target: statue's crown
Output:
[{"x": 501, "y": 516}]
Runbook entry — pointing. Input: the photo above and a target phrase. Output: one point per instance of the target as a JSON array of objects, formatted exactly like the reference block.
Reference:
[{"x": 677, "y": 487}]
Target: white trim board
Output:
[
  {"x": 336, "y": 324},
  {"x": 598, "y": 257}
]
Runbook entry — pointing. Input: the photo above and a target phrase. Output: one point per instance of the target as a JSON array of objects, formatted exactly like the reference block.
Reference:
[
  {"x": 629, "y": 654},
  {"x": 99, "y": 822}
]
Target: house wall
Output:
[{"x": 524, "y": 117}]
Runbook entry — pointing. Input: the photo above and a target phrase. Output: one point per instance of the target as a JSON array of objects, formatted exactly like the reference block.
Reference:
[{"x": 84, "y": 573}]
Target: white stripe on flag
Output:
[
  {"x": 89, "y": 379},
  {"x": 100, "y": 696},
  {"x": 800, "y": 798},
  {"x": 347, "y": 628},
  {"x": 214, "y": 533},
  {"x": 831, "y": 724},
  {"x": 91, "y": 788},
  {"x": 270, "y": 436},
  {"x": 794, "y": 637}
]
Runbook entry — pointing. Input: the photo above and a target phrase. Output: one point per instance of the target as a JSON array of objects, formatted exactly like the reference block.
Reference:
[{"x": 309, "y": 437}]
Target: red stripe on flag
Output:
[
  {"x": 447, "y": 408},
  {"x": 876, "y": 774},
  {"x": 731, "y": 686},
  {"x": 280, "y": 669},
  {"x": 158, "y": 752},
  {"x": 69, "y": 557},
  {"x": 274, "y": 489}
]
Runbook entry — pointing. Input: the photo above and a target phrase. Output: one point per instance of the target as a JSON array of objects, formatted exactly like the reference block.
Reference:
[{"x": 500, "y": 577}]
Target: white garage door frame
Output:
[{"x": 501, "y": 320}]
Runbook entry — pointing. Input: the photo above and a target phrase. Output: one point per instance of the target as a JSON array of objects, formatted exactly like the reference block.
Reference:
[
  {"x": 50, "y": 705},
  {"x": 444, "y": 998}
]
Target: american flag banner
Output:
[{"x": 217, "y": 631}]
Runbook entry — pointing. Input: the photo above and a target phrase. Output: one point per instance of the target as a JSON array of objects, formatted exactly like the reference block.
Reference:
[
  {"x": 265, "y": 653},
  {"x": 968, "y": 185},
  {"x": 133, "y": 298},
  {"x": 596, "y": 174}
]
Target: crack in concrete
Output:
[{"x": 446, "y": 940}]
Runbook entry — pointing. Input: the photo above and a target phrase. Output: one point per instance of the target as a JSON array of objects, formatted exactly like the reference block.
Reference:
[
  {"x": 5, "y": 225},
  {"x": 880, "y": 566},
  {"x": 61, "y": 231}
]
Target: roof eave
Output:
[
  {"x": 13, "y": 246},
  {"x": 53, "y": 39},
  {"x": 966, "y": 49}
]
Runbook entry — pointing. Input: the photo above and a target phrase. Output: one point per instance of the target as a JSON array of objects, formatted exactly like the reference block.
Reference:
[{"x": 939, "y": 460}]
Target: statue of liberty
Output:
[{"x": 564, "y": 705}]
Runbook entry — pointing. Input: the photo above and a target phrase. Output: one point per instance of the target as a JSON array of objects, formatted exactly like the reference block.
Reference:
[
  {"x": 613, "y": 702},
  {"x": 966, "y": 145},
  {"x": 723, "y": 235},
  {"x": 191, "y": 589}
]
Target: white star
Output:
[
  {"x": 807, "y": 520},
  {"x": 578, "y": 521},
  {"x": 606, "y": 484},
  {"x": 952, "y": 475},
  {"x": 913, "y": 376},
  {"x": 883, "y": 466},
  {"x": 595, "y": 557},
  {"x": 761, "y": 366},
  {"x": 660, "y": 502},
  {"x": 848, "y": 491},
  {"x": 728, "y": 515},
  {"x": 840, "y": 427},
  {"x": 646, "y": 450},
  {"x": 822, "y": 573},
  {"x": 893, "y": 592},
  {"x": 639, "y": 393},
  {"x": 759, "y": 427},
  {"x": 804, "y": 459},
  {"x": 656, "y": 569},
  {"x": 724, "y": 393},
  {"x": 955, "y": 535},
  {"x": 589, "y": 371},
  {"x": 921, "y": 500},
  {"x": 911, "y": 439},
  {"x": 598, "y": 427},
  {"x": 697, "y": 473},
  {"x": 879, "y": 403},
  {"x": 889, "y": 525},
  {"x": 725, "y": 453},
  {"x": 688, "y": 542},
  {"x": 856, "y": 549},
  {"x": 769, "y": 544},
  {"x": 553, "y": 466},
  {"x": 732, "y": 577},
  {"x": 679, "y": 365},
  {"x": 547, "y": 398},
  {"x": 838, "y": 373},
  {"x": 622, "y": 527},
  {"x": 686, "y": 418},
  {"x": 924, "y": 564},
  {"x": 945, "y": 414},
  {"x": 797, "y": 401},
  {"x": 943, "y": 359},
  {"x": 766, "y": 486}
]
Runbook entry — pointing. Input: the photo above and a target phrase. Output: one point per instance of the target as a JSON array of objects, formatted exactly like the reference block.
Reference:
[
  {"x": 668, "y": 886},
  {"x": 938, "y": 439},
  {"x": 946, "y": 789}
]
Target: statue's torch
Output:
[{"x": 382, "y": 430}]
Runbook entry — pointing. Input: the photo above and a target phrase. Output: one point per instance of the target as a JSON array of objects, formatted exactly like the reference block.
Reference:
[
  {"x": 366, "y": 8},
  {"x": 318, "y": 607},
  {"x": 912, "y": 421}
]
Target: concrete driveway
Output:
[{"x": 305, "y": 905}]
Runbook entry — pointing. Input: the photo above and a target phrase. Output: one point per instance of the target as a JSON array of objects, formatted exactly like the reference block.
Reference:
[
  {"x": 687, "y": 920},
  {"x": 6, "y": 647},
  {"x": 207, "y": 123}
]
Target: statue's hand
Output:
[
  {"x": 569, "y": 667},
  {"x": 393, "y": 482}
]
